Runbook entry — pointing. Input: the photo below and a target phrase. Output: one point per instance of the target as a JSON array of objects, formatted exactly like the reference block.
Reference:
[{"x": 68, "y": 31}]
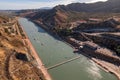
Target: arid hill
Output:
[
  {"x": 61, "y": 16},
  {"x": 15, "y": 59}
]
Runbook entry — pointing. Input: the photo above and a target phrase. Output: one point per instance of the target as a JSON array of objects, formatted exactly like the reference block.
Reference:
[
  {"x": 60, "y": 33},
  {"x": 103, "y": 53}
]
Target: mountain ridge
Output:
[{"x": 60, "y": 16}]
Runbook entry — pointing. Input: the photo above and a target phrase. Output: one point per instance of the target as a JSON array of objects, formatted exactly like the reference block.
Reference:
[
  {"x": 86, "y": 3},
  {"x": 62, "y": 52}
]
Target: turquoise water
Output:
[{"x": 53, "y": 51}]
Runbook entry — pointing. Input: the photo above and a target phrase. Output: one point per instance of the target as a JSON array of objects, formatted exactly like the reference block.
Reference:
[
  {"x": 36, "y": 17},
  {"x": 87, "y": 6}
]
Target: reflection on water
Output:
[{"x": 94, "y": 71}]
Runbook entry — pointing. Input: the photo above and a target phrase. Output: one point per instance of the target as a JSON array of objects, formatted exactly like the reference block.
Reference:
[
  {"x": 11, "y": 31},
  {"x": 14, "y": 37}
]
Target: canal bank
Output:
[
  {"x": 53, "y": 51},
  {"x": 40, "y": 65}
]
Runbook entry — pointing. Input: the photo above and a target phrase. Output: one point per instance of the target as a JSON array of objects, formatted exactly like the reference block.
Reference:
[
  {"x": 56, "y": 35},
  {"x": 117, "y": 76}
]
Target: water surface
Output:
[{"x": 53, "y": 51}]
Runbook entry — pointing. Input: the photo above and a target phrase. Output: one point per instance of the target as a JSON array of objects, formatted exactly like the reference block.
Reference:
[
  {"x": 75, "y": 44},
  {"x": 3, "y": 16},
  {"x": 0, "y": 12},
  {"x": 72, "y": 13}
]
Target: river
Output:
[{"x": 52, "y": 51}]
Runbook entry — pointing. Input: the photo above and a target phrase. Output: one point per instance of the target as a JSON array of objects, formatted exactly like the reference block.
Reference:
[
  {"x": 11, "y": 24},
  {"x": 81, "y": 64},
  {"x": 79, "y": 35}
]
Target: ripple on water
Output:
[{"x": 94, "y": 71}]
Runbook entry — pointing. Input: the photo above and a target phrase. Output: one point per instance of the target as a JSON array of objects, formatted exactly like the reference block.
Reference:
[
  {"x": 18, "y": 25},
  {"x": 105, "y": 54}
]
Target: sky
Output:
[{"x": 34, "y": 4}]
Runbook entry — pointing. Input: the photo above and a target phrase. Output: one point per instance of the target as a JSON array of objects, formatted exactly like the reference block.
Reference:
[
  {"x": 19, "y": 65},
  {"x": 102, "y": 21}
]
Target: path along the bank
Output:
[{"x": 39, "y": 61}]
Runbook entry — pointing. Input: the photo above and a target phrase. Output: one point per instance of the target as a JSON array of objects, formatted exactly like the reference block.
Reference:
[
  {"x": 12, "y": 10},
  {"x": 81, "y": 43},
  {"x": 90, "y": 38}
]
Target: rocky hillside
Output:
[
  {"x": 104, "y": 26},
  {"x": 61, "y": 16},
  {"x": 108, "y": 6}
]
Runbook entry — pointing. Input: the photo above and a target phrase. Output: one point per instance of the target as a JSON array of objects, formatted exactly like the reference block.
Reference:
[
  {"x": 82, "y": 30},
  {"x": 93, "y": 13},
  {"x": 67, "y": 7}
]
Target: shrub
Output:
[{"x": 118, "y": 50}]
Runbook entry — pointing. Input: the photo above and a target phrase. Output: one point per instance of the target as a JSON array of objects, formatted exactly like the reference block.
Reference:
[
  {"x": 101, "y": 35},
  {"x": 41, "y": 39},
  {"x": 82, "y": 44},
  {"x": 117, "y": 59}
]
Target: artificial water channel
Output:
[{"x": 52, "y": 51}]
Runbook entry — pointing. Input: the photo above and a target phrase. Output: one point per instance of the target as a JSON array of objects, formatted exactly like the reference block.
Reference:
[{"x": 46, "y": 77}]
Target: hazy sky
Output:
[{"x": 31, "y": 4}]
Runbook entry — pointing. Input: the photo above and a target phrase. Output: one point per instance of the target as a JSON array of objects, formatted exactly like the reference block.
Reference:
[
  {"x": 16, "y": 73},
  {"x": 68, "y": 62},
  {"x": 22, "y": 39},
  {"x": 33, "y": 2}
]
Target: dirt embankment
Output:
[
  {"x": 34, "y": 54},
  {"x": 16, "y": 63}
]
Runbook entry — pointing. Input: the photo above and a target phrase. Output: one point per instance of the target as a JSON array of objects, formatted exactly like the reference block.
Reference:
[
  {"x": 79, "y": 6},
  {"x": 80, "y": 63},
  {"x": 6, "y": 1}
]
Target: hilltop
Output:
[{"x": 62, "y": 15}]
